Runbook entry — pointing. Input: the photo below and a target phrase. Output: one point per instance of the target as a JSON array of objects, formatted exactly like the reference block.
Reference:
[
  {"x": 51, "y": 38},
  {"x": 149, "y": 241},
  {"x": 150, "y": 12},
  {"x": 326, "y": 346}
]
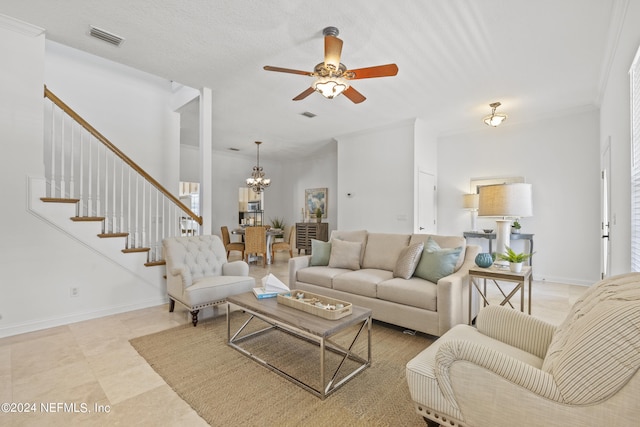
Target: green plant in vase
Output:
[
  {"x": 318, "y": 214},
  {"x": 277, "y": 223},
  {"x": 515, "y": 227},
  {"x": 514, "y": 259}
]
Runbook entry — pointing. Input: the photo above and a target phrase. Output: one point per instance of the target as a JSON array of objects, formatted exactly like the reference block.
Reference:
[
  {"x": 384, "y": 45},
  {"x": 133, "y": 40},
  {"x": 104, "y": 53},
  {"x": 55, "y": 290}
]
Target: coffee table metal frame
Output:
[{"x": 308, "y": 327}]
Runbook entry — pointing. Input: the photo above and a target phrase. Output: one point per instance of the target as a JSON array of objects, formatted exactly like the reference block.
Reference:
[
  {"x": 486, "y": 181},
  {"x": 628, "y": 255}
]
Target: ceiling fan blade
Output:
[
  {"x": 304, "y": 94},
  {"x": 355, "y": 96},
  {"x": 370, "y": 72},
  {"x": 287, "y": 70},
  {"x": 332, "y": 51}
]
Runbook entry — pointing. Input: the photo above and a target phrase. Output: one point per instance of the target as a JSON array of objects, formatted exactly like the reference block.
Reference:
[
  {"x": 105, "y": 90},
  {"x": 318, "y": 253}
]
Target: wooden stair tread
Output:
[
  {"x": 87, "y": 218},
  {"x": 154, "y": 263},
  {"x": 133, "y": 250},
  {"x": 58, "y": 200},
  {"x": 108, "y": 235}
]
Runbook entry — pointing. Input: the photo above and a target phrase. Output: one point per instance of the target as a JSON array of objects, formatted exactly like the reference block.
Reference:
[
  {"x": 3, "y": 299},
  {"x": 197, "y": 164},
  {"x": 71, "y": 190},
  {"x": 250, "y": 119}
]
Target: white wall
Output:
[
  {"x": 560, "y": 158},
  {"x": 318, "y": 170},
  {"x": 39, "y": 263},
  {"x": 615, "y": 125},
  {"x": 129, "y": 107},
  {"x": 377, "y": 168}
]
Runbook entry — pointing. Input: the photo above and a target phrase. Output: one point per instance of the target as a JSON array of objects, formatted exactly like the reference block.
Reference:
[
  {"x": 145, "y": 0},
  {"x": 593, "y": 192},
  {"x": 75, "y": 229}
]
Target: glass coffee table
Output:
[{"x": 305, "y": 327}]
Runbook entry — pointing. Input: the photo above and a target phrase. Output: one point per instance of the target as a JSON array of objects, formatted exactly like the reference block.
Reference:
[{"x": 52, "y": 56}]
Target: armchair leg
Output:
[
  {"x": 194, "y": 317},
  {"x": 172, "y": 305},
  {"x": 431, "y": 423}
]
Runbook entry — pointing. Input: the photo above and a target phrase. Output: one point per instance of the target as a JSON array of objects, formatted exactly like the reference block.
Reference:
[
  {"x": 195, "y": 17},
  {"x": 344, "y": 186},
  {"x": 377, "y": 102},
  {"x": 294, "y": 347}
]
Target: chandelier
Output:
[{"x": 257, "y": 182}]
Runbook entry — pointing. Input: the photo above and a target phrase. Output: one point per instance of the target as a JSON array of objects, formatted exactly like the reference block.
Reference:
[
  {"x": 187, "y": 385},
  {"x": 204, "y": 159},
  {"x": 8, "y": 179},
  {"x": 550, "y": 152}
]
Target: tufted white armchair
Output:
[
  {"x": 198, "y": 274},
  {"x": 516, "y": 370}
]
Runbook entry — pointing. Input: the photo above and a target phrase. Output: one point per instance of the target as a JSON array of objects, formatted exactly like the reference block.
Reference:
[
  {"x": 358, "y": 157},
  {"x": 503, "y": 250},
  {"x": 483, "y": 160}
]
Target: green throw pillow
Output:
[
  {"x": 320, "y": 252},
  {"x": 436, "y": 263}
]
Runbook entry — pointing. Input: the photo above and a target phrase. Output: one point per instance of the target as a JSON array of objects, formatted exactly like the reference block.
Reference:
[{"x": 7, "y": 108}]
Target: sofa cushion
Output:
[
  {"x": 414, "y": 292},
  {"x": 382, "y": 250},
  {"x": 320, "y": 276},
  {"x": 345, "y": 254},
  {"x": 408, "y": 261},
  {"x": 361, "y": 282},
  {"x": 436, "y": 263},
  {"x": 596, "y": 349},
  {"x": 320, "y": 252},
  {"x": 352, "y": 236},
  {"x": 444, "y": 242}
]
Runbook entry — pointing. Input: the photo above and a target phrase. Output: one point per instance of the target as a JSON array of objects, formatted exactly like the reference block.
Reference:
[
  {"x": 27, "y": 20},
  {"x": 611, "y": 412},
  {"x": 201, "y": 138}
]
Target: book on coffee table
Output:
[
  {"x": 271, "y": 287},
  {"x": 261, "y": 293}
]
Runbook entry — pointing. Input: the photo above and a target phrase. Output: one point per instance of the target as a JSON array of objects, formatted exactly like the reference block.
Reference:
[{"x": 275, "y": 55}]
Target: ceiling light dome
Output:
[{"x": 494, "y": 119}]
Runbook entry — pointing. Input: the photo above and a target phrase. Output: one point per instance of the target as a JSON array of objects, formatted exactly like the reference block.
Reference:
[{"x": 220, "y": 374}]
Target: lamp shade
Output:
[
  {"x": 470, "y": 201},
  {"x": 505, "y": 200}
]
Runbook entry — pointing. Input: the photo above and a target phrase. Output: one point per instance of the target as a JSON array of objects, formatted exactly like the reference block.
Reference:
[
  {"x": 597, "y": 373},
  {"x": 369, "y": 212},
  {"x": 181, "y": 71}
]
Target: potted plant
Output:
[
  {"x": 278, "y": 224},
  {"x": 515, "y": 227},
  {"x": 318, "y": 215},
  {"x": 514, "y": 259}
]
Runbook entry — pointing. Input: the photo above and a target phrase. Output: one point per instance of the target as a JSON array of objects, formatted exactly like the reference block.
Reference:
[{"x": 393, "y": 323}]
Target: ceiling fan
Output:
[{"x": 331, "y": 76}]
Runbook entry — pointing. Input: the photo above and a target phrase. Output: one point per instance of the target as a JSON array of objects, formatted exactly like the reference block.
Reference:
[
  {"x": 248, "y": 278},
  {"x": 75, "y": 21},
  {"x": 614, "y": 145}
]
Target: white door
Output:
[
  {"x": 426, "y": 203},
  {"x": 605, "y": 201}
]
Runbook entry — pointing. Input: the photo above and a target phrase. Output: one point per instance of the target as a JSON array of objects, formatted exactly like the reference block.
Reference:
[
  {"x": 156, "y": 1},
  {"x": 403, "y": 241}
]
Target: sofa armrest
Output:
[
  {"x": 295, "y": 264},
  {"x": 516, "y": 329},
  {"x": 235, "y": 268},
  {"x": 480, "y": 358},
  {"x": 453, "y": 293}
]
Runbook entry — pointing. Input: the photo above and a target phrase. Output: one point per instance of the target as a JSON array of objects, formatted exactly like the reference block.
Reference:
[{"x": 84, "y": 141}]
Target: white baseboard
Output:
[{"x": 77, "y": 317}]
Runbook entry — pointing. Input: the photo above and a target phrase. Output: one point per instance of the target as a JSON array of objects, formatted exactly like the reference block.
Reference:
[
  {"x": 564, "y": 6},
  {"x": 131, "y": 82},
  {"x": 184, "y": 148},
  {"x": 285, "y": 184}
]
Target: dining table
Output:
[{"x": 272, "y": 233}]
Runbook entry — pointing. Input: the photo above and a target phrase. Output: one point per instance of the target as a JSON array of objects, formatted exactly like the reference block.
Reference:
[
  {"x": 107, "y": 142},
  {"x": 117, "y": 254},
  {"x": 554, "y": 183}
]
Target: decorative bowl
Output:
[
  {"x": 484, "y": 260},
  {"x": 488, "y": 230}
]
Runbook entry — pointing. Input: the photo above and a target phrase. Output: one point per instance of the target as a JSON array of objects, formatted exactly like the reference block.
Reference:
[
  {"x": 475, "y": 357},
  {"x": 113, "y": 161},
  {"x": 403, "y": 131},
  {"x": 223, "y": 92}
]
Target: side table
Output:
[{"x": 494, "y": 274}]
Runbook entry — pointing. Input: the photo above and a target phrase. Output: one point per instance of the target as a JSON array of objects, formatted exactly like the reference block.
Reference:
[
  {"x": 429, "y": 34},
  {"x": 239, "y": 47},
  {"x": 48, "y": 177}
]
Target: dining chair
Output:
[
  {"x": 228, "y": 244},
  {"x": 287, "y": 245},
  {"x": 255, "y": 242}
]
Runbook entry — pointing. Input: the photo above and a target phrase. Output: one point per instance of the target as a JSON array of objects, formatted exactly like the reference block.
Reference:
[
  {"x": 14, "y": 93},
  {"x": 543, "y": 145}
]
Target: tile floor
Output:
[{"x": 91, "y": 365}]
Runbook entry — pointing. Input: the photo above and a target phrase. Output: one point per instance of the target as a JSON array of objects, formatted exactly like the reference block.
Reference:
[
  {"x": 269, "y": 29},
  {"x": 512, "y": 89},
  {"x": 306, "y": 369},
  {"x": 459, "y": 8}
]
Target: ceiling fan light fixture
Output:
[
  {"x": 330, "y": 87},
  {"x": 494, "y": 119}
]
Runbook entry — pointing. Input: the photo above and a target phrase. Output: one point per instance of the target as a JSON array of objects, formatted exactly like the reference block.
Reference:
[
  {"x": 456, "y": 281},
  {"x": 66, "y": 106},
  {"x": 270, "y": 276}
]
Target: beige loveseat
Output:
[
  {"x": 516, "y": 370},
  {"x": 381, "y": 276}
]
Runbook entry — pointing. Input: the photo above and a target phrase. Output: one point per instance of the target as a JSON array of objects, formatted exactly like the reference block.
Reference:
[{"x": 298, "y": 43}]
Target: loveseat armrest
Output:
[
  {"x": 295, "y": 264},
  {"x": 235, "y": 268},
  {"x": 482, "y": 358},
  {"x": 453, "y": 293},
  {"x": 515, "y": 328}
]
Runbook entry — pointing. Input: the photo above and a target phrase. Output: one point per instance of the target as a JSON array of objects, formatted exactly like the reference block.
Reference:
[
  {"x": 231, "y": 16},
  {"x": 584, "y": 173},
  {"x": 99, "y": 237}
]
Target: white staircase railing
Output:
[{"x": 82, "y": 165}]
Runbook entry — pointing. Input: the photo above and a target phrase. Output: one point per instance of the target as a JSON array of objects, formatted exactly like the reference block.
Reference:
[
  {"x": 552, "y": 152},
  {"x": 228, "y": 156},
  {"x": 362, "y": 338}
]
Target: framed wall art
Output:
[{"x": 315, "y": 198}]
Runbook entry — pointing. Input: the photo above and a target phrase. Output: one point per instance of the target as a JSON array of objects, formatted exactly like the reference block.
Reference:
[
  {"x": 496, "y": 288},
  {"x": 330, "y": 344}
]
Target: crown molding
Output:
[{"x": 21, "y": 27}]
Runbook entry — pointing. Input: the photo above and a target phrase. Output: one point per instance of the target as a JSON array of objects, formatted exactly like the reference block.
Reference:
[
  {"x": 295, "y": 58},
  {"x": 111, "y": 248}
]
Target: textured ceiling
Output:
[{"x": 539, "y": 58}]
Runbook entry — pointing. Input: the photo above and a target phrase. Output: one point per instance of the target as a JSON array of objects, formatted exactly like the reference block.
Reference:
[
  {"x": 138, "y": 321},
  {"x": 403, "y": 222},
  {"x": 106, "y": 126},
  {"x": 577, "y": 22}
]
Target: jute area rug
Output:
[{"x": 227, "y": 388}]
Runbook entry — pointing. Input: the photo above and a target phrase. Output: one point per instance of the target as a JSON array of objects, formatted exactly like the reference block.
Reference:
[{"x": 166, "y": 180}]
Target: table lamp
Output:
[
  {"x": 505, "y": 201},
  {"x": 470, "y": 202}
]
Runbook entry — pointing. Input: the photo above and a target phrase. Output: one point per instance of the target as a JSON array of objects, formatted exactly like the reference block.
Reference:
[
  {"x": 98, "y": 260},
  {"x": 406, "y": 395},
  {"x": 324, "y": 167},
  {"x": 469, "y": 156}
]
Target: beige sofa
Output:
[{"x": 375, "y": 279}]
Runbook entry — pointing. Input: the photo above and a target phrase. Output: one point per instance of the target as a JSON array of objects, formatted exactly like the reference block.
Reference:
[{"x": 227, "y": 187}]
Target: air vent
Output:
[
  {"x": 234, "y": 149},
  {"x": 105, "y": 36},
  {"x": 308, "y": 114}
]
